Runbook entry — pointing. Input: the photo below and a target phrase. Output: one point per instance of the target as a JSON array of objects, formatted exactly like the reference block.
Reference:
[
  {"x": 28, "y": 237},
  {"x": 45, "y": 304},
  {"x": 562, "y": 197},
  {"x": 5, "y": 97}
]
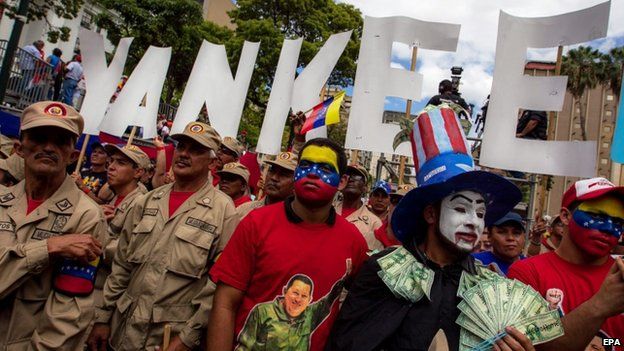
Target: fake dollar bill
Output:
[
  {"x": 405, "y": 276},
  {"x": 491, "y": 305}
]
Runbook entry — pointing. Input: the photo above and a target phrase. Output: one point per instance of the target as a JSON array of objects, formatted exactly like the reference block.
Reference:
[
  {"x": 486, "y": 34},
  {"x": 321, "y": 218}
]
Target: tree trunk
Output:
[{"x": 583, "y": 117}]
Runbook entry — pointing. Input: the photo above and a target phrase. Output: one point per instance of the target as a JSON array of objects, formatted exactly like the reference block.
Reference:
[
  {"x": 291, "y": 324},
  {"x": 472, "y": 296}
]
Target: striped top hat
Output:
[{"x": 444, "y": 166}]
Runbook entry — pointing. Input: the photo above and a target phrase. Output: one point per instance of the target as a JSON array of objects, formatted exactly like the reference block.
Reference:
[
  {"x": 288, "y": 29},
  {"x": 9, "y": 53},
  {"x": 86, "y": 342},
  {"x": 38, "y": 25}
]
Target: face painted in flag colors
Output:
[
  {"x": 597, "y": 224},
  {"x": 316, "y": 176},
  {"x": 462, "y": 218}
]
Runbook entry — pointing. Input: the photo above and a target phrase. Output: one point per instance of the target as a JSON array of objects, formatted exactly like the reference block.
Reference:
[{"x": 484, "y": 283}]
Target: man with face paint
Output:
[
  {"x": 301, "y": 236},
  {"x": 439, "y": 223},
  {"x": 589, "y": 282},
  {"x": 354, "y": 210}
]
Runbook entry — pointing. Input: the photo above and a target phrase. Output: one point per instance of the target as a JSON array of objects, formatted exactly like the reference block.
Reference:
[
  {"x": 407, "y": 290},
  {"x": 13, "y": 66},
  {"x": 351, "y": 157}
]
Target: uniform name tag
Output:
[
  {"x": 198, "y": 223},
  {"x": 42, "y": 234},
  {"x": 7, "y": 226},
  {"x": 150, "y": 211}
]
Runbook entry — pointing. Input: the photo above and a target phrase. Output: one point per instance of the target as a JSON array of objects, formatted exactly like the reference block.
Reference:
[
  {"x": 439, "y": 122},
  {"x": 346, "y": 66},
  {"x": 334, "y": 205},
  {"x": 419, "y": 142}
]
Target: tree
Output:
[
  {"x": 39, "y": 9},
  {"x": 166, "y": 23},
  {"x": 614, "y": 65},
  {"x": 585, "y": 68},
  {"x": 272, "y": 21}
]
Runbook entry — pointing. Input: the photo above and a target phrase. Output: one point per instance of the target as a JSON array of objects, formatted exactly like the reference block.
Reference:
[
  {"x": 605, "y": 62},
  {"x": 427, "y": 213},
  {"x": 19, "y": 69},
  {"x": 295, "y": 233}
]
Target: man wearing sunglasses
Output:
[
  {"x": 230, "y": 151},
  {"x": 354, "y": 210}
]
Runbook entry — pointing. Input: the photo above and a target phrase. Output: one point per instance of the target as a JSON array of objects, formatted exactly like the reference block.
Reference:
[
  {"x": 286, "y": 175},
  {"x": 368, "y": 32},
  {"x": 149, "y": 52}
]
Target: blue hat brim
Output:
[{"x": 500, "y": 194}]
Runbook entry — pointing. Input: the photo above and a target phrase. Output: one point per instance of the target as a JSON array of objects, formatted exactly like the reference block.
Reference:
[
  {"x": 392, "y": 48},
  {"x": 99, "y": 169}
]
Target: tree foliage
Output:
[
  {"x": 166, "y": 23},
  {"x": 587, "y": 68},
  {"x": 39, "y": 9}
]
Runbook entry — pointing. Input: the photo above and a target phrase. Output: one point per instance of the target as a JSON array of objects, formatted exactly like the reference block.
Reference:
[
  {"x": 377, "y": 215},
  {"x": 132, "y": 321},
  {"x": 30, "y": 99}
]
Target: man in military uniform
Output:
[
  {"x": 38, "y": 221},
  {"x": 230, "y": 151},
  {"x": 166, "y": 247},
  {"x": 127, "y": 166},
  {"x": 11, "y": 170},
  {"x": 354, "y": 210},
  {"x": 279, "y": 183},
  {"x": 234, "y": 180}
]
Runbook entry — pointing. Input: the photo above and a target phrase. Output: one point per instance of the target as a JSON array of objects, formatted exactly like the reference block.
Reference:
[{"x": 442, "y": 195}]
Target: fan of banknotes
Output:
[{"x": 491, "y": 305}]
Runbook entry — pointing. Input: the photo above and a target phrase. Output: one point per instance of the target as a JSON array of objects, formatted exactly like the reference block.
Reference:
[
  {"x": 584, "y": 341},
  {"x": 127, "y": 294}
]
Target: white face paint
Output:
[{"x": 462, "y": 218}]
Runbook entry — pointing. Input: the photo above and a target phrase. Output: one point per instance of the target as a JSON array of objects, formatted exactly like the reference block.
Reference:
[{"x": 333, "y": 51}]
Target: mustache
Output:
[
  {"x": 47, "y": 155},
  {"x": 183, "y": 160}
]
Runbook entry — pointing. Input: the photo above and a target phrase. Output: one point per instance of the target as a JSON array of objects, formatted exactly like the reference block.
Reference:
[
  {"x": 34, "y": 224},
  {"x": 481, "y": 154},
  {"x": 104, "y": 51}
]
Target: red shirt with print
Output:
[
  {"x": 270, "y": 246},
  {"x": 567, "y": 285}
]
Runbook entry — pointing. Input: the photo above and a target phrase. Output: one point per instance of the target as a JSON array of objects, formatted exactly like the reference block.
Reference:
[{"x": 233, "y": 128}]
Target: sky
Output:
[{"x": 477, "y": 38}]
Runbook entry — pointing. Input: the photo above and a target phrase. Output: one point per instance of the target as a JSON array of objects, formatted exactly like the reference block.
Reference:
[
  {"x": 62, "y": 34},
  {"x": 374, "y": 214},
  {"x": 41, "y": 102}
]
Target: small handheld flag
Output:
[{"x": 323, "y": 114}]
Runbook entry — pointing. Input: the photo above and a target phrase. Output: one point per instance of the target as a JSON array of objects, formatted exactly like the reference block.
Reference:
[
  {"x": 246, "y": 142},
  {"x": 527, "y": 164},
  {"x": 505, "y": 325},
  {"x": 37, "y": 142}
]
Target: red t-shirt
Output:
[
  {"x": 119, "y": 200},
  {"x": 571, "y": 284},
  {"x": 177, "y": 198},
  {"x": 215, "y": 177},
  {"x": 241, "y": 200},
  {"x": 33, "y": 204},
  {"x": 347, "y": 211},
  {"x": 269, "y": 248}
]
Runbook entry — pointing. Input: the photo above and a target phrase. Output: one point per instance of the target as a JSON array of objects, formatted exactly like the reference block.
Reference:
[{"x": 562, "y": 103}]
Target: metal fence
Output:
[{"x": 30, "y": 79}]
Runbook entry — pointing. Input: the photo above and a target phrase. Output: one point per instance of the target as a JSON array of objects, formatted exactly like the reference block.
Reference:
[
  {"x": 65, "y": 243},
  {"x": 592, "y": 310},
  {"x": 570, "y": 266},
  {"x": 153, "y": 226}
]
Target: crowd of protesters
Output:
[{"x": 130, "y": 254}]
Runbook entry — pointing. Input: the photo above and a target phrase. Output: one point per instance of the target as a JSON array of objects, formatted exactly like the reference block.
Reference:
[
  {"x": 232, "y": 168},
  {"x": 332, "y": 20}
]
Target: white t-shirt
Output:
[{"x": 74, "y": 71}]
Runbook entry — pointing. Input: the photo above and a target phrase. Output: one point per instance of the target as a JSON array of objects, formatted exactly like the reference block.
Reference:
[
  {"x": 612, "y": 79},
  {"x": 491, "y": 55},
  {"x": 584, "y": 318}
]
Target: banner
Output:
[
  {"x": 137, "y": 103},
  {"x": 211, "y": 82},
  {"x": 375, "y": 79},
  {"x": 100, "y": 80},
  {"x": 617, "y": 147},
  {"x": 299, "y": 94},
  {"x": 512, "y": 90}
]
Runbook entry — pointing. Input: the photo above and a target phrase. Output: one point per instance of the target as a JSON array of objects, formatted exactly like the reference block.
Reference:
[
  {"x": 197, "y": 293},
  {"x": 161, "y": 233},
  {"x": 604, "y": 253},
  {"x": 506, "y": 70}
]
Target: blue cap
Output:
[
  {"x": 512, "y": 218},
  {"x": 380, "y": 184}
]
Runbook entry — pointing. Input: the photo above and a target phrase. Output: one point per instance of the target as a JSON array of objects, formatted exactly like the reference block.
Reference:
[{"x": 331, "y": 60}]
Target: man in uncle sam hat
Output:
[
  {"x": 46, "y": 285},
  {"x": 438, "y": 223}
]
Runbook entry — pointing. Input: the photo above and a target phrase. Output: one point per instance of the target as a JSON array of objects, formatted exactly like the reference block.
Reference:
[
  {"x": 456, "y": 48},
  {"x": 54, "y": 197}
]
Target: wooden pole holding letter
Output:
[
  {"x": 408, "y": 113},
  {"x": 552, "y": 123},
  {"x": 83, "y": 150}
]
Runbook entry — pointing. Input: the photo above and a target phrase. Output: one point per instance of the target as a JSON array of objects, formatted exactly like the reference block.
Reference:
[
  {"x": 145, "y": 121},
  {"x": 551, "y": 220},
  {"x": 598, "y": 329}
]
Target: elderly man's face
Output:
[{"x": 47, "y": 151}]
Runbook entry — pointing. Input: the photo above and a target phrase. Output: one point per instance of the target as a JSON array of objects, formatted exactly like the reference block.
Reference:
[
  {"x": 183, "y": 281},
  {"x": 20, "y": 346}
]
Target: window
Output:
[
  {"x": 607, "y": 129},
  {"x": 605, "y": 145},
  {"x": 577, "y": 125},
  {"x": 604, "y": 161},
  {"x": 609, "y": 97},
  {"x": 608, "y": 113}
]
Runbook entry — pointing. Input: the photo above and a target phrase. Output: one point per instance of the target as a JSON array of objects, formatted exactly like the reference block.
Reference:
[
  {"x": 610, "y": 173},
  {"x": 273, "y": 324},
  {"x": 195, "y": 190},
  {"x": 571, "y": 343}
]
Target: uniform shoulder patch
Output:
[{"x": 63, "y": 205}]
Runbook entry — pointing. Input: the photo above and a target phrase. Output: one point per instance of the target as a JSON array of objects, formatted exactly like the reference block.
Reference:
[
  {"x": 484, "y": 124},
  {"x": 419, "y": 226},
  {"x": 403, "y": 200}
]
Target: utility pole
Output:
[{"x": 9, "y": 53}]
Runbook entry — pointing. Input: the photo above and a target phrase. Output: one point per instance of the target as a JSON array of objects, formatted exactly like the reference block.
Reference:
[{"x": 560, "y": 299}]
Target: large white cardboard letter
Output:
[
  {"x": 211, "y": 82},
  {"x": 302, "y": 93},
  {"x": 375, "y": 79},
  {"x": 512, "y": 90},
  {"x": 146, "y": 81},
  {"x": 101, "y": 81}
]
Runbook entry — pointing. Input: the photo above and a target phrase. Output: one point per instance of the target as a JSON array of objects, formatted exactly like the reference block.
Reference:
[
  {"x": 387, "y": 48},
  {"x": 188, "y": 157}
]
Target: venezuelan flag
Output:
[{"x": 324, "y": 114}]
